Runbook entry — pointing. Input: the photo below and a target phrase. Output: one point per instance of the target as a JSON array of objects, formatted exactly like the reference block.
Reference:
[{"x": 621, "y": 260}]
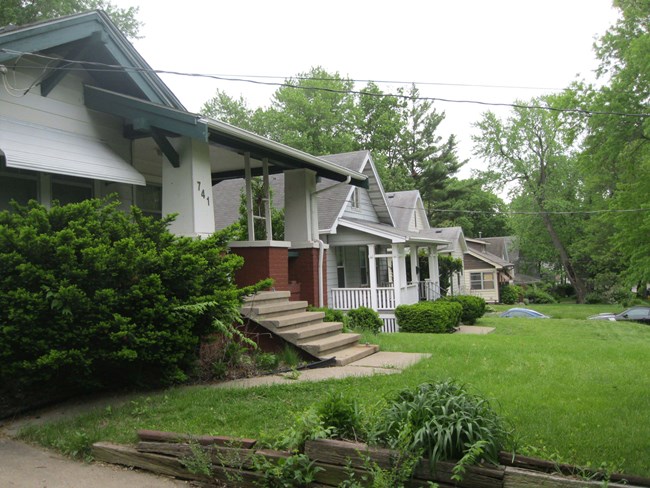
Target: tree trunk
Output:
[{"x": 576, "y": 281}]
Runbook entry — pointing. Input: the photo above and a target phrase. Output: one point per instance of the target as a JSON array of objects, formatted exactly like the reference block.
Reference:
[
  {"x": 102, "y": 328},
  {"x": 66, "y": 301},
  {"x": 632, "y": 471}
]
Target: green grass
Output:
[{"x": 573, "y": 389}]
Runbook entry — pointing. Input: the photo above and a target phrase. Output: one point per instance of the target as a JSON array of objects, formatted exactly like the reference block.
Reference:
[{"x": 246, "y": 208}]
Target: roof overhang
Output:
[
  {"x": 279, "y": 156},
  {"x": 393, "y": 234},
  {"x": 486, "y": 259},
  {"x": 39, "y": 148}
]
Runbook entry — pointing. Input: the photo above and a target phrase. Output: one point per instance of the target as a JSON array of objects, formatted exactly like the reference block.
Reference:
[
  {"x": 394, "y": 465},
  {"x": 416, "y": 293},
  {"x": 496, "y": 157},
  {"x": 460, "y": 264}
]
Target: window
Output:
[
  {"x": 18, "y": 185},
  {"x": 363, "y": 265},
  {"x": 482, "y": 281},
  {"x": 340, "y": 268},
  {"x": 149, "y": 200},
  {"x": 68, "y": 189},
  {"x": 356, "y": 204}
]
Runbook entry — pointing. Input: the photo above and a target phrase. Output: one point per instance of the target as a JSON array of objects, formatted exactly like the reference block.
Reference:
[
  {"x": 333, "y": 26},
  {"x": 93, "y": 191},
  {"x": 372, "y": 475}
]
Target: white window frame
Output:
[{"x": 479, "y": 279}]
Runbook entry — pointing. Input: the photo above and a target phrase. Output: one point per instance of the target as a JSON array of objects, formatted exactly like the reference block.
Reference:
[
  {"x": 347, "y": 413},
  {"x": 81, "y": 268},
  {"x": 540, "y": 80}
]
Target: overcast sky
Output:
[{"x": 540, "y": 44}]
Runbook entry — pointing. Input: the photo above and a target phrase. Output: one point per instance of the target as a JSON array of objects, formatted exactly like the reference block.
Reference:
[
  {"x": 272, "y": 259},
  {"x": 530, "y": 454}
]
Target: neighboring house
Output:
[
  {"x": 484, "y": 271},
  {"x": 456, "y": 249},
  {"x": 83, "y": 115},
  {"x": 368, "y": 255}
]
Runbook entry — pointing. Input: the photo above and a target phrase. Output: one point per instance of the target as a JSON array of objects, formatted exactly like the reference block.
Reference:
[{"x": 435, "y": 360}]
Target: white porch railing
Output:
[
  {"x": 428, "y": 290},
  {"x": 349, "y": 298},
  {"x": 409, "y": 294}
]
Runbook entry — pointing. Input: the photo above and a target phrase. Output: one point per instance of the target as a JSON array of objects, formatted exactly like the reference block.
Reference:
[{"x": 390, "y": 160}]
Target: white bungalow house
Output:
[
  {"x": 368, "y": 258},
  {"x": 83, "y": 115}
]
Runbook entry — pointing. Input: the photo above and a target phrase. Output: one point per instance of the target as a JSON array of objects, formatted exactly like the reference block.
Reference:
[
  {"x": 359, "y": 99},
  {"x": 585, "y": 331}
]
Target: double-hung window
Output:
[{"x": 482, "y": 280}]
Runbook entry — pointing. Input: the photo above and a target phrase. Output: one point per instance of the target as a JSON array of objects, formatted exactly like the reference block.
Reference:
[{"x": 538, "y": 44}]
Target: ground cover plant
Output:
[{"x": 573, "y": 390}]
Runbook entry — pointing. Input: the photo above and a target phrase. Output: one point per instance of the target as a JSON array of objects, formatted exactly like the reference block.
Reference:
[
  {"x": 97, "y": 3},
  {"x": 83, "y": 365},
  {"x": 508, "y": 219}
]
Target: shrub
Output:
[
  {"x": 93, "y": 298},
  {"x": 443, "y": 421},
  {"x": 473, "y": 307},
  {"x": 563, "y": 290},
  {"x": 594, "y": 298},
  {"x": 535, "y": 295},
  {"x": 331, "y": 315},
  {"x": 364, "y": 318},
  {"x": 431, "y": 317},
  {"x": 511, "y": 294}
]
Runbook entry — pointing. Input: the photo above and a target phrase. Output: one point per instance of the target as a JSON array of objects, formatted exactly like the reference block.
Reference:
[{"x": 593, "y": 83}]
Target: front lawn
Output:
[{"x": 573, "y": 389}]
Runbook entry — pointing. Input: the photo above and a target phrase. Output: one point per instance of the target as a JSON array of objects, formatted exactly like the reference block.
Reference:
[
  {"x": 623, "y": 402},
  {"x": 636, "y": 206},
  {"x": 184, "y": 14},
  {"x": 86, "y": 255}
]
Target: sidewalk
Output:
[{"x": 26, "y": 466}]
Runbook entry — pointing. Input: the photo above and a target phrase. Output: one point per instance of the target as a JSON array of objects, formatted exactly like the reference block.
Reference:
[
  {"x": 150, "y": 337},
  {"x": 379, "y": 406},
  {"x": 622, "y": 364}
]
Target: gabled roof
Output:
[
  {"x": 490, "y": 259},
  {"x": 402, "y": 205},
  {"x": 332, "y": 205},
  {"x": 451, "y": 234},
  {"x": 85, "y": 39}
]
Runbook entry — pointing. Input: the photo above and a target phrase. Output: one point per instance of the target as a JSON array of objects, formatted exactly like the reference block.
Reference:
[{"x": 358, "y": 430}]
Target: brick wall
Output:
[
  {"x": 261, "y": 263},
  {"x": 303, "y": 269}
]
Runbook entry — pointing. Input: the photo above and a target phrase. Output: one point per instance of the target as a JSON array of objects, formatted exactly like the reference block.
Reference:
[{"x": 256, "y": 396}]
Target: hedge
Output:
[
  {"x": 429, "y": 317},
  {"x": 473, "y": 307},
  {"x": 94, "y": 298},
  {"x": 364, "y": 318}
]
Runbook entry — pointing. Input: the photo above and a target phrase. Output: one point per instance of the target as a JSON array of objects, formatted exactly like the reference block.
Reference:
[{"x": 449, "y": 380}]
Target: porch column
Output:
[
  {"x": 397, "y": 256},
  {"x": 187, "y": 190},
  {"x": 415, "y": 276},
  {"x": 300, "y": 207},
  {"x": 434, "y": 271},
  {"x": 372, "y": 268}
]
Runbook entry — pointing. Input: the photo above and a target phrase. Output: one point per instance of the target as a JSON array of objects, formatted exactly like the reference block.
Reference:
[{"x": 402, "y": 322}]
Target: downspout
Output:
[{"x": 321, "y": 244}]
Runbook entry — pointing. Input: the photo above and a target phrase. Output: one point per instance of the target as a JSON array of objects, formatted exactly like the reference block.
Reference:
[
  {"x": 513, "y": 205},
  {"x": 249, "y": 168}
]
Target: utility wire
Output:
[{"x": 110, "y": 67}]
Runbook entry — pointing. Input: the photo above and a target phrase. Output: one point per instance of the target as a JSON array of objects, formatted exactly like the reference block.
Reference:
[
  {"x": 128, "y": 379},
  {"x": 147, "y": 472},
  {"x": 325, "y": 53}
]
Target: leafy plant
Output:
[
  {"x": 511, "y": 294},
  {"x": 198, "y": 462},
  {"x": 306, "y": 426},
  {"x": 341, "y": 414},
  {"x": 364, "y": 318},
  {"x": 267, "y": 361},
  {"x": 294, "y": 471},
  {"x": 535, "y": 295},
  {"x": 443, "y": 421}
]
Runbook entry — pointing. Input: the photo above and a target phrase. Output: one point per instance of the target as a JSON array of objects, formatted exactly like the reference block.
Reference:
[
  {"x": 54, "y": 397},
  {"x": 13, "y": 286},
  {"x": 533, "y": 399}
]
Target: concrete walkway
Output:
[{"x": 26, "y": 466}]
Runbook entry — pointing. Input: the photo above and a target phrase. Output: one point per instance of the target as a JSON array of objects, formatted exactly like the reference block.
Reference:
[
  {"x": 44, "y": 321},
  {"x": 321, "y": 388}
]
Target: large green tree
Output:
[
  {"x": 20, "y": 12},
  {"x": 533, "y": 150},
  {"x": 616, "y": 159}
]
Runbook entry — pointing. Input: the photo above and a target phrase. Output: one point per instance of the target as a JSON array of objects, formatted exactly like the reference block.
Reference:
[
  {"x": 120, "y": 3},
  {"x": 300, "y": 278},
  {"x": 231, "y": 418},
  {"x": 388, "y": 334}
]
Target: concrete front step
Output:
[
  {"x": 353, "y": 353},
  {"x": 321, "y": 347},
  {"x": 274, "y": 309},
  {"x": 292, "y": 320},
  {"x": 267, "y": 297},
  {"x": 308, "y": 333}
]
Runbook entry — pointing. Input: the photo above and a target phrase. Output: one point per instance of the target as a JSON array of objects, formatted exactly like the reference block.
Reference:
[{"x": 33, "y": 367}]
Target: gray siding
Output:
[{"x": 366, "y": 210}]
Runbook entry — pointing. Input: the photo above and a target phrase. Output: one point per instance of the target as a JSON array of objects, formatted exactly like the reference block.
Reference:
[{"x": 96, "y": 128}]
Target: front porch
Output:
[{"x": 396, "y": 268}]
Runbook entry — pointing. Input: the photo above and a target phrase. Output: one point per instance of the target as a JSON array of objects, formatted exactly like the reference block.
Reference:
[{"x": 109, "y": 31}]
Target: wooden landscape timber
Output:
[{"x": 231, "y": 463}]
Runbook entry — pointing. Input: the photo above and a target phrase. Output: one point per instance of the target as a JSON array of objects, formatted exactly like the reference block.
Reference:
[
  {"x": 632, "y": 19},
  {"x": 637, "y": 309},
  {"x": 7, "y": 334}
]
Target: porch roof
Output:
[{"x": 396, "y": 236}]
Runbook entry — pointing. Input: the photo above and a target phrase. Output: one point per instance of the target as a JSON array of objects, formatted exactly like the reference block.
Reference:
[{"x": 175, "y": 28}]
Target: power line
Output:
[{"x": 112, "y": 68}]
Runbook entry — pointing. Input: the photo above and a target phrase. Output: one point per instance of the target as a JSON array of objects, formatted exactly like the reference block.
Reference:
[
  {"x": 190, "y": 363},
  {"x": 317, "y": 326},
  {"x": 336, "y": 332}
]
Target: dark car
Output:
[
  {"x": 635, "y": 314},
  {"x": 524, "y": 313}
]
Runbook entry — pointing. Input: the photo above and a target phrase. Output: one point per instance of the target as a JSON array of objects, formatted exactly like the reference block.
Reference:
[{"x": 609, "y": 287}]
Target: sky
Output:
[{"x": 483, "y": 50}]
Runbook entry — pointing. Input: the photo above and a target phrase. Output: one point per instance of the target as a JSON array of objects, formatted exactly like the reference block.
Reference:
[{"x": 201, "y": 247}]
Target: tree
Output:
[
  {"x": 616, "y": 159},
  {"x": 479, "y": 212},
  {"x": 277, "y": 215},
  {"x": 533, "y": 150},
  {"x": 315, "y": 112},
  {"x": 20, "y": 12}
]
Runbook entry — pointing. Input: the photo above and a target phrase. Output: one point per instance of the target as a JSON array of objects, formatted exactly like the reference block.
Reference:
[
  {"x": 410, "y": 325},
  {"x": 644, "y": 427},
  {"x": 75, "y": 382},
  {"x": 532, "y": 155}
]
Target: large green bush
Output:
[
  {"x": 92, "y": 298},
  {"x": 536, "y": 295},
  {"x": 473, "y": 307},
  {"x": 511, "y": 294},
  {"x": 364, "y": 318},
  {"x": 430, "y": 317}
]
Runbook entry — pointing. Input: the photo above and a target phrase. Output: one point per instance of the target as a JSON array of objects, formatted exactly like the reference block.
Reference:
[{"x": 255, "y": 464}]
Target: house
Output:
[
  {"x": 507, "y": 248},
  {"x": 83, "y": 115},
  {"x": 485, "y": 271},
  {"x": 368, "y": 254}
]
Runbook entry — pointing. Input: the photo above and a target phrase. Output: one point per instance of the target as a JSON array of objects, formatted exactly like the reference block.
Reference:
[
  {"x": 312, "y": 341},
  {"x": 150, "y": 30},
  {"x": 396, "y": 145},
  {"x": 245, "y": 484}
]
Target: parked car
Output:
[
  {"x": 526, "y": 313},
  {"x": 634, "y": 314}
]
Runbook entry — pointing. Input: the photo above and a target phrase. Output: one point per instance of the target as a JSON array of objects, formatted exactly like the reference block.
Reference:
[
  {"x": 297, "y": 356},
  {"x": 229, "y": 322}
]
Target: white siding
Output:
[
  {"x": 490, "y": 296},
  {"x": 349, "y": 237},
  {"x": 366, "y": 210}
]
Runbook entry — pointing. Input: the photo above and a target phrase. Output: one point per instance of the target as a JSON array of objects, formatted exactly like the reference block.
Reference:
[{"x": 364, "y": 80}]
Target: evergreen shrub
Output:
[
  {"x": 429, "y": 317},
  {"x": 511, "y": 294},
  {"x": 473, "y": 307},
  {"x": 94, "y": 298}
]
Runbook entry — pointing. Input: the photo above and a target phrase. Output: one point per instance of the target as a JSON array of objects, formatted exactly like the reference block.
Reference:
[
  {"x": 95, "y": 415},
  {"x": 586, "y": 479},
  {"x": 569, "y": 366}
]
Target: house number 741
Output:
[{"x": 202, "y": 192}]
